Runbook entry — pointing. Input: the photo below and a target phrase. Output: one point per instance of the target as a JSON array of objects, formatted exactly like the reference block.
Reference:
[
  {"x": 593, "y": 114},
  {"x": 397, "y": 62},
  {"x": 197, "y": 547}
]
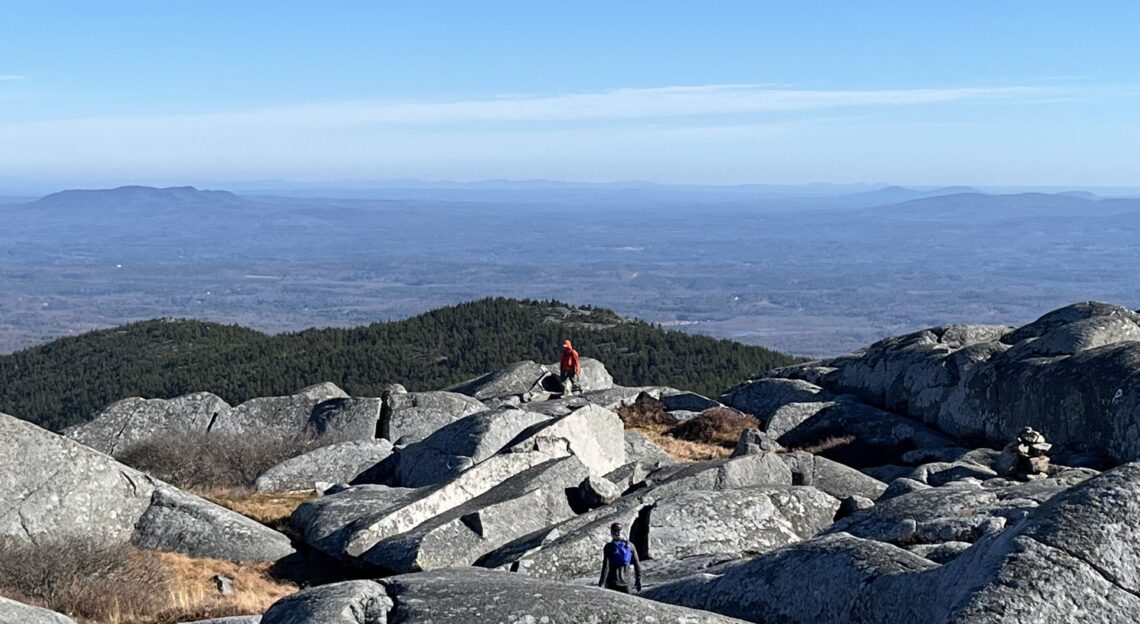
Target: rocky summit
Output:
[{"x": 962, "y": 474}]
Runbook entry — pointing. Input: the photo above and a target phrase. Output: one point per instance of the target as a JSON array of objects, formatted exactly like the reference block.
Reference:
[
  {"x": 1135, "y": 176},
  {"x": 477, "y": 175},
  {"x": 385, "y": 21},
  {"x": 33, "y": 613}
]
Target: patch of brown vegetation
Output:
[
  {"x": 269, "y": 508},
  {"x": 194, "y": 596},
  {"x": 684, "y": 450},
  {"x": 825, "y": 444},
  {"x": 720, "y": 426},
  {"x": 645, "y": 413},
  {"x": 123, "y": 585},
  {"x": 648, "y": 416}
]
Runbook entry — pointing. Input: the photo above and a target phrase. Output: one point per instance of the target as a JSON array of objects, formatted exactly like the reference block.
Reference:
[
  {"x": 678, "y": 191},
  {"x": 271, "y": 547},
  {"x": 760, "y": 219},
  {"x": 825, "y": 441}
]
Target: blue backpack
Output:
[{"x": 623, "y": 555}]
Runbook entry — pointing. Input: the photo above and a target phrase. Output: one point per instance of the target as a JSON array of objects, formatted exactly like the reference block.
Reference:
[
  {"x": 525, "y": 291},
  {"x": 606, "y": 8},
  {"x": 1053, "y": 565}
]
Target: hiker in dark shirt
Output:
[{"x": 620, "y": 568}]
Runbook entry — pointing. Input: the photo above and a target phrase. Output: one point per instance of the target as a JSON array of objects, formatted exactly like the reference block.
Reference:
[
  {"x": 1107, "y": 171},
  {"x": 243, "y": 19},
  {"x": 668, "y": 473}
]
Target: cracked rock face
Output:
[
  {"x": 1072, "y": 375},
  {"x": 417, "y": 415},
  {"x": 56, "y": 489},
  {"x": 128, "y": 422}
]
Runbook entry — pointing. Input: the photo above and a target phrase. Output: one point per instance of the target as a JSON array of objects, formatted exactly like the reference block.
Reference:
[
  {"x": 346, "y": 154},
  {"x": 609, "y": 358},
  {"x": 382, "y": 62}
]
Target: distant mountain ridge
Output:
[
  {"x": 65, "y": 381},
  {"x": 138, "y": 197}
]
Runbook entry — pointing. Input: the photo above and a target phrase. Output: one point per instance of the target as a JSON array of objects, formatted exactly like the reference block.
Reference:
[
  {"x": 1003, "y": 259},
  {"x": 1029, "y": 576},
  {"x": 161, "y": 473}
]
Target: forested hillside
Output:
[{"x": 66, "y": 381}]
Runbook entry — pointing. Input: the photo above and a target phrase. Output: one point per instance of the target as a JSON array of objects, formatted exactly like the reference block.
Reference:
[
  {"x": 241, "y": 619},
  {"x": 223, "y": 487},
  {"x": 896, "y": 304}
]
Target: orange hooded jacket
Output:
[{"x": 570, "y": 360}]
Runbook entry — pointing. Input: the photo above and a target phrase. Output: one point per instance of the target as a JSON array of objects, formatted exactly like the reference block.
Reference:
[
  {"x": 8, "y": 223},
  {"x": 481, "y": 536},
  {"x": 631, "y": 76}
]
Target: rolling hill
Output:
[{"x": 64, "y": 382}]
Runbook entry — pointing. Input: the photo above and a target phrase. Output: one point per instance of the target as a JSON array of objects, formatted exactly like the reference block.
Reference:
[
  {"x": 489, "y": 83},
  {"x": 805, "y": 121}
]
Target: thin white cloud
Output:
[
  {"x": 12, "y": 77},
  {"x": 707, "y": 132},
  {"x": 663, "y": 102},
  {"x": 616, "y": 105}
]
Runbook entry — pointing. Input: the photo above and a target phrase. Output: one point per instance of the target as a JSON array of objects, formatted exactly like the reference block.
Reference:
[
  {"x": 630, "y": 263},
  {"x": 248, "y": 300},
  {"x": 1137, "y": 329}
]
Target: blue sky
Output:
[{"x": 925, "y": 93}]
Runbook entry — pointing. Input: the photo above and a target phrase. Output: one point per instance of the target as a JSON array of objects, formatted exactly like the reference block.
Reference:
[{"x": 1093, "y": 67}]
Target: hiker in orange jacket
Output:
[{"x": 571, "y": 367}]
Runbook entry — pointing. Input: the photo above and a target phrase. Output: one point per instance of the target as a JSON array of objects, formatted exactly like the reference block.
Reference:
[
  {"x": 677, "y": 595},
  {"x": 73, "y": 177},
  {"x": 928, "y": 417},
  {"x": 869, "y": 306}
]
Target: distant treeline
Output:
[{"x": 67, "y": 381}]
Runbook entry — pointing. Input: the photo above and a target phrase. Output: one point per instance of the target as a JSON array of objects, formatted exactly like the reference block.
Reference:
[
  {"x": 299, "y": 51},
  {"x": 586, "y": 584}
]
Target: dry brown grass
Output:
[
  {"x": 683, "y": 450},
  {"x": 646, "y": 412},
  {"x": 193, "y": 595},
  {"x": 720, "y": 426},
  {"x": 825, "y": 444},
  {"x": 269, "y": 508},
  {"x": 648, "y": 416},
  {"x": 123, "y": 585}
]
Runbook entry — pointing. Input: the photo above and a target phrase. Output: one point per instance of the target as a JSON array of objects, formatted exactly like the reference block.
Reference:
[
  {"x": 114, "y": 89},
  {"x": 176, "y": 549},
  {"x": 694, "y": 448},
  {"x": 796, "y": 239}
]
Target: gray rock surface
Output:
[
  {"x": 58, "y": 489},
  {"x": 869, "y": 436},
  {"x": 787, "y": 417},
  {"x": 128, "y": 422},
  {"x": 831, "y": 477},
  {"x": 858, "y": 587},
  {"x": 593, "y": 378},
  {"x": 1072, "y": 375},
  {"x": 336, "y": 463},
  {"x": 349, "y": 602},
  {"x": 688, "y": 402},
  {"x": 12, "y": 612},
  {"x": 639, "y": 448},
  {"x": 417, "y": 415},
  {"x": 455, "y": 595},
  {"x": 738, "y": 520},
  {"x": 349, "y": 522},
  {"x": 283, "y": 416},
  {"x": 322, "y": 411},
  {"x": 595, "y": 435},
  {"x": 941, "y": 473},
  {"x": 461, "y": 444},
  {"x": 762, "y": 397},
  {"x": 962, "y": 511},
  {"x": 527, "y": 379},
  {"x": 595, "y": 491},
  {"x": 472, "y": 595},
  {"x": 527, "y": 502},
  {"x": 328, "y": 522},
  {"x": 753, "y": 442},
  {"x": 571, "y": 549},
  {"x": 345, "y": 419},
  {"x": 180, "y": 522},
  {"x": 516, "y": 379}
]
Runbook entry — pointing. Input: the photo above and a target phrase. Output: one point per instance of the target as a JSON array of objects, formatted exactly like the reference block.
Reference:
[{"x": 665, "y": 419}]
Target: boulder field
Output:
[{"x": 875, "y": 490}]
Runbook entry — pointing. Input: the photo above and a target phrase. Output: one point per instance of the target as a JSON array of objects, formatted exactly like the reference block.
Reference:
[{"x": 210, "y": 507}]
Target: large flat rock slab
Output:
[
  {"x": 459, "y": 445},
  {"x": 57, "y": 489},
  {"x": 336, "y": 463},
  {"x": 527, "y": 502}
]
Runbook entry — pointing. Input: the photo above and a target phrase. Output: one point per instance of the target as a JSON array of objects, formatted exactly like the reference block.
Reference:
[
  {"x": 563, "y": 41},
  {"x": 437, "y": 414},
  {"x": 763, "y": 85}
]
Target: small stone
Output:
[{"x": 224, "y": 584}]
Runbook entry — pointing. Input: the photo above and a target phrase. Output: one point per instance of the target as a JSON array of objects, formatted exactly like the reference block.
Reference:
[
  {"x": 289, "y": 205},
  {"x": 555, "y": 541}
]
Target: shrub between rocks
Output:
[
  {"x": 84, "y": 580},
  {"x": 721, "y": 426},
  {"x": 120, "y": 584},
  {"x": 196, "y": 460}
]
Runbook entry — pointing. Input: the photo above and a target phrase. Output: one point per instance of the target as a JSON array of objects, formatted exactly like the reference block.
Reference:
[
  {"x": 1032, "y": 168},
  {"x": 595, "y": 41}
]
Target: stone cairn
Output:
[{"x": 1027, "y": 457}]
